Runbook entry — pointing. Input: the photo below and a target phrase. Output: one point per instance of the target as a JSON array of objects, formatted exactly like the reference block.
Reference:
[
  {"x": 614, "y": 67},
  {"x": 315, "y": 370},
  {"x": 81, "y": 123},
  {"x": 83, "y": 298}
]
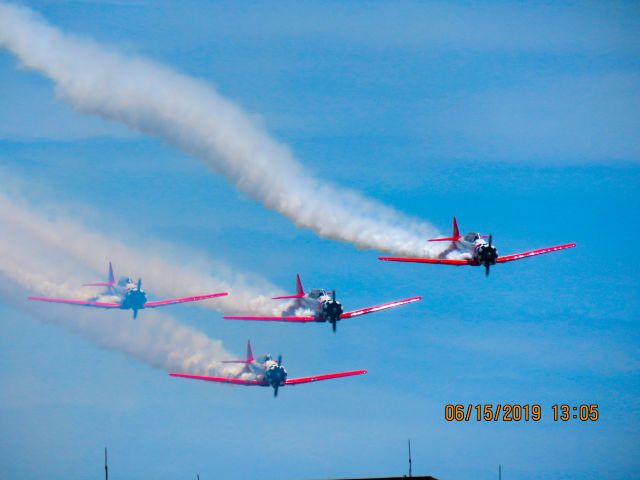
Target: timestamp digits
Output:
[{"x": 515, "y": 412}]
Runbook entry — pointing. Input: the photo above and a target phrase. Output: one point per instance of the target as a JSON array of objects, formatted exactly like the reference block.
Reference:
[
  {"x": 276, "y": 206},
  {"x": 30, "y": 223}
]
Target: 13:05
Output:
[{"x": 584, "y": 412}]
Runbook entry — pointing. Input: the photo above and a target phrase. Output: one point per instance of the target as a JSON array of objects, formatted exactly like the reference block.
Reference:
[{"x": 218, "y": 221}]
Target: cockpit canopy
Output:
[
  {"x": 124, "y": 281},
  {"x": 317, "y": 293},
  {"x": 265, "y": 358},
  {"x": 471, "y": 237}
]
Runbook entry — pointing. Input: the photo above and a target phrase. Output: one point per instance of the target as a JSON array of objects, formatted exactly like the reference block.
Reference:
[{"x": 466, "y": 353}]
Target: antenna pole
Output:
[
  {"x": 410, "y": 475},
  {"x": 499, "y": 472},
  {"x": 106, "y": 468}
]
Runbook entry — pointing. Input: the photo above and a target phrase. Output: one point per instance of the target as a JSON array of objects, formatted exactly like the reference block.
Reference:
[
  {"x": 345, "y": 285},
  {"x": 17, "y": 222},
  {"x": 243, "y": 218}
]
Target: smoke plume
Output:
[
  {"x": 194, "y": 117},
  {"x": 47, "y": 242},
  {"x": 40, "y": 255},
  {"x": 154, "y": 338}
]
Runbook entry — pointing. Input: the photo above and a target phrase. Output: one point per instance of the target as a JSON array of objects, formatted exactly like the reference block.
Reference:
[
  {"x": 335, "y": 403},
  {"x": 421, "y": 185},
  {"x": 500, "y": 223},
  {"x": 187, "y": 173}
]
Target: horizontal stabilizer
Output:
[
  {"x": 282, "y": 297},
  {"x": 445, "y": 239}
]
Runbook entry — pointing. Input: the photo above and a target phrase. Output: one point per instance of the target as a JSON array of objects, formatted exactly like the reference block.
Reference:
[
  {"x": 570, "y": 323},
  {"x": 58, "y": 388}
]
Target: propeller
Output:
[
  {"x": 487, "y": 254},
  {"x": 334, "y": 324},
  {"x": 277, "y": 385},
  {"x": 332, "y": 310},
  {"x": 137, "y": 292},
  {"x": 487, "y": 266},
  {"x": 490, "y": 256}
]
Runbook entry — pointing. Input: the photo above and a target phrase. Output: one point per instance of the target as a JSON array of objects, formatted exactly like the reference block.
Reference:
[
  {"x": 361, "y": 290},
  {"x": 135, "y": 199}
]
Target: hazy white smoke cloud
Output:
[
  {"x": 35, "y": 258},
  {"x": 46, "y": 243},
  {"x": 193, "y": 116},
  {"x": 154, "y": 338}
]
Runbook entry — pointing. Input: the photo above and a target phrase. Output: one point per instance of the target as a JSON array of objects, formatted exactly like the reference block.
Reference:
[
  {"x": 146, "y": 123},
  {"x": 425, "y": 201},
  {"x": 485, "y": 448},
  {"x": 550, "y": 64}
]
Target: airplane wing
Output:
[
  {"x": 443, "y": 261},
  {"x": 317, "y": 378},
  {"x": 384, "y": 306},
  {"x": 162, "y": 303},
  {"x": 235, "y": 381},
  {"x": 77, "y": 302},
  {"x": 272, "y": 319},
  {"x": 533, "y": 253}
]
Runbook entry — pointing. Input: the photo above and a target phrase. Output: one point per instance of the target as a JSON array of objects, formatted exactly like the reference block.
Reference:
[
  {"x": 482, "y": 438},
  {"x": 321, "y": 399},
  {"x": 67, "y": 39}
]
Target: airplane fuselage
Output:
[
  {"x": 321, "y": 303},
  {"x": 130, "y": 297},
  {"x": 475, "y": 248},
  {"x": 274, "y": 374},
  {"x": 267, "y": 371}
]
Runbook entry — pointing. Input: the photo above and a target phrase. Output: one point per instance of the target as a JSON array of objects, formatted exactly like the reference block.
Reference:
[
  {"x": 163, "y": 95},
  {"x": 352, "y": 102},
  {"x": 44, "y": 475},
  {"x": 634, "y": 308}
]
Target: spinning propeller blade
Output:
[
  {"x": 276, "y": 386},
  {"x": 487, "y": 266},
  {"x": 334, "y": 324}
]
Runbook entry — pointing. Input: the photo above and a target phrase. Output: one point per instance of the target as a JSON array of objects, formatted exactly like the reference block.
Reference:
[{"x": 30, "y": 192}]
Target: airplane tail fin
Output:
[
  {"x": 299, "y": 290},
  {"x": 111, "y": 281},
  {"x": 249, "y": 352},
  {"x": 249, "y": 358},
  {"x": 112, "y": 278},
  {"x": 455, "y": 235}
]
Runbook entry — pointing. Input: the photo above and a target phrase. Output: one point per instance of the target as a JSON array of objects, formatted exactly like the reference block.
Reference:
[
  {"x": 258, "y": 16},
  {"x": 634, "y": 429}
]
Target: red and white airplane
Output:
[
  {"x": 474, "y": 250},
  {"x": 124, "y": 295},
  {"x": 265, "y": 372},
  {"x": 322, "y": 305}
]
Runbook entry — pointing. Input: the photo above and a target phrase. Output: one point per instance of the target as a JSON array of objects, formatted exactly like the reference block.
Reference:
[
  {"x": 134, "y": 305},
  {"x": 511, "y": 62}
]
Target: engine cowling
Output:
[
  {"x": 487, "y": 254},
  {"x": 275, "y": 375},
  {"x": 332, "y": 310},
  {"x": 135, "y": 299}
]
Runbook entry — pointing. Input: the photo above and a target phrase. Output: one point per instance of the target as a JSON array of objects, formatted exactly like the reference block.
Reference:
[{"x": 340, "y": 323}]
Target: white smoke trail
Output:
[
  {"x": 193, "y": 116},
  {"x": 27, "y": 264},
  {"x": 28, "y": 233},
  {"x": 156, "y": 339}
]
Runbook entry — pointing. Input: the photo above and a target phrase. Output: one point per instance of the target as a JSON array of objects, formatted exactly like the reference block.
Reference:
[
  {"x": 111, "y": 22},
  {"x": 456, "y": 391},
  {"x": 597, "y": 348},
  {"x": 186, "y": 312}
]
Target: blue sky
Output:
[{"x": 521, "y": 120}]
